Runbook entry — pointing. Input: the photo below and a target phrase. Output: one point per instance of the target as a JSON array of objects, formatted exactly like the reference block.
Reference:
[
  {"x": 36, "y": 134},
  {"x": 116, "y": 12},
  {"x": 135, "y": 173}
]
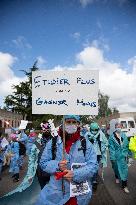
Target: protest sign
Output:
[
  {"x": 23, "y": 125},
  {"x": 65, "y": 92},
  {"x": 77, "y": 189}
]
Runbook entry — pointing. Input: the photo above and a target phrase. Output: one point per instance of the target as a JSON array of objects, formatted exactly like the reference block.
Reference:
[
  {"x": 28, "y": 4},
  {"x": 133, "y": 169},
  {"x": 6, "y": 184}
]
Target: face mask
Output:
[
  {"x": 94, "y": 132},
  {"x": 70, "y": 129},
  {"x": 118, "y": 130}
]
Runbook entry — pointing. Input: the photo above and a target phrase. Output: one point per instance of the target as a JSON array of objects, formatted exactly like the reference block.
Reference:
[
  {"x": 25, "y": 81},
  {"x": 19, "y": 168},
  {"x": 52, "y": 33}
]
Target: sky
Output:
[{"x": 71, "y": 34}]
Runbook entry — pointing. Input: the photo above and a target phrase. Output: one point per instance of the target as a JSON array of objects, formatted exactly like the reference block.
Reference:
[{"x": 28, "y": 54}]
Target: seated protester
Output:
[
  {"x": 119, "y": 149},
  {"x": 43, "y": 177},
  {"x": 14, "y": 164},
  {"x": 100, "y": 144},
  {"x": 52, "y": 161}
]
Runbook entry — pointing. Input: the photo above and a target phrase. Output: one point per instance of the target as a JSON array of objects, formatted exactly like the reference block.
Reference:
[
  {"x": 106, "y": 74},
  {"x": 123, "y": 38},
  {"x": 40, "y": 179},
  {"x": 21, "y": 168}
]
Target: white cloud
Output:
[
  {"x": 84, "y": 3},
  {"x": 132, "y": 62},
  {"x": 114, "y": 80},
  {"x": 41, "y": 61},
  {"x": 21, "y": 42},
  {"x": 7, "y": 76},
  {"x": 76, "y": 35}
]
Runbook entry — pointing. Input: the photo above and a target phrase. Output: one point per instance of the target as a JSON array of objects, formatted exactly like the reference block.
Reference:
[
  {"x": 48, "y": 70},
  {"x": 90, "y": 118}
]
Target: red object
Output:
[
  {"x": 59, "y": 175},
  {"x": 74, "y": 137},
  {"x": 32, "y": 134},
  {"x": 72, "y": 201}
]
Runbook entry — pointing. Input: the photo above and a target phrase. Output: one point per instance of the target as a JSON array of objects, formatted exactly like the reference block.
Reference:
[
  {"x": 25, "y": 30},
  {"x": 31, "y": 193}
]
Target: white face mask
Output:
[
  {"x": 118, "y": 130},
  {"x": 70, "y": 129}
]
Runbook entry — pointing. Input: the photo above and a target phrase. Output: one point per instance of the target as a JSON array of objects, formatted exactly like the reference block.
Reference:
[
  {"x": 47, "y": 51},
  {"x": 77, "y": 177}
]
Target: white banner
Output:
[
  {"x": 65, "y": 92},
  {"x": 23, "y": 125}
]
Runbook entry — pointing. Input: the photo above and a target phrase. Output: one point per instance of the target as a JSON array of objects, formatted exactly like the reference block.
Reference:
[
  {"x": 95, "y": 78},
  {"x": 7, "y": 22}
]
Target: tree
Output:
[{"x": 21, "y": 99}]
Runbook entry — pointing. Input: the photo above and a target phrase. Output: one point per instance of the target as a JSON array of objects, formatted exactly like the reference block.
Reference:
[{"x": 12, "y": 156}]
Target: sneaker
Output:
[
  {"x": 94, "y": 186},
  {"x": 126, "y": 190},
  {"x": 117, "y": 181},
  {"x": 15, "y": 180}
]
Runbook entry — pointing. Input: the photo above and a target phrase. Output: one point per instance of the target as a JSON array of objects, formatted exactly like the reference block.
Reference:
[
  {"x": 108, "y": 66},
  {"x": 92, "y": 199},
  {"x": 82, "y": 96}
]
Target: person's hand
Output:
[
  {"x": 69, "y": 175},
  {"x": 63, "y": 165}
]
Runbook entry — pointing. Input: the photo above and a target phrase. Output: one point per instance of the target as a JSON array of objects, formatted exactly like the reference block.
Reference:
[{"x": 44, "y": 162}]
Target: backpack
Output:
[
  {"x": 54, "y": 147},
  {"x": 22, "y": 149},
  {"x": 98, "y": 140}
]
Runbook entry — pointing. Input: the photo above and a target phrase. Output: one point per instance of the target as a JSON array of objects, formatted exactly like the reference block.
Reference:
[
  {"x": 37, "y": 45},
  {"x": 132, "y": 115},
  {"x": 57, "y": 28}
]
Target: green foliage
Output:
[{"x": 21, "y": 99}]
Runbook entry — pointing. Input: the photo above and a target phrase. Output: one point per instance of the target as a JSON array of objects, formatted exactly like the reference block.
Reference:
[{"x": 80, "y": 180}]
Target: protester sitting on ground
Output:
[
  {"x": 100, "y": 144},
  {"x": 76, "y": 150},
  {"x": 118, "y": 148},
  {"x": 43, "y": 177}
]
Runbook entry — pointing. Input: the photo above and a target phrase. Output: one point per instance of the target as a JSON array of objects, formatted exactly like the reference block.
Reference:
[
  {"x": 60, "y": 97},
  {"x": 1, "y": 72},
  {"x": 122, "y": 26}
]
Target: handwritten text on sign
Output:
[{"x": 65, "y": 92}]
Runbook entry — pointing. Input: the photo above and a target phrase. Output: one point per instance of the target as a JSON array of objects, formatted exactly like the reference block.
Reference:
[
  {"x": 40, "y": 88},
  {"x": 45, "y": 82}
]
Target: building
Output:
[
  {"x": 14, "y": 119},
  {"x": 106, "y": 120}
]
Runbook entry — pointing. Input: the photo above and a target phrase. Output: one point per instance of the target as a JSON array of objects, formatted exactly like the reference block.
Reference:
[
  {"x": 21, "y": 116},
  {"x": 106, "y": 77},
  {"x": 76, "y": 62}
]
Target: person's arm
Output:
[
  {"x": 87, "y": 171},
  {"x": 125, "y": 145},
  {"x": 111, "y": 150},
  {"x": 46, "y": 163},
  {"x": 16, "y": 148},
  {"x": 23, "y": 138}
]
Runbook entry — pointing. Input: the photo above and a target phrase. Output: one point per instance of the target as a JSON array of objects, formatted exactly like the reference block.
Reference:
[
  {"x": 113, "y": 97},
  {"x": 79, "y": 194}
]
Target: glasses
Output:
[{"x": 68, "y": 122}]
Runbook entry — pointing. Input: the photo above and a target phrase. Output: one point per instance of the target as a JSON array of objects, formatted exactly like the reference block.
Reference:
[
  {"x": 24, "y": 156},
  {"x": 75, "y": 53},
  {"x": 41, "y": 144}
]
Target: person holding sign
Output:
[{"x": 58, "y": 160}]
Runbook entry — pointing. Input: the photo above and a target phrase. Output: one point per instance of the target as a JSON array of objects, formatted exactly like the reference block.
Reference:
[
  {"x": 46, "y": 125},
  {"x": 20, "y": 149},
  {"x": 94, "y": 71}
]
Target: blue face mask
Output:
[{"x": 118, "y": 130}]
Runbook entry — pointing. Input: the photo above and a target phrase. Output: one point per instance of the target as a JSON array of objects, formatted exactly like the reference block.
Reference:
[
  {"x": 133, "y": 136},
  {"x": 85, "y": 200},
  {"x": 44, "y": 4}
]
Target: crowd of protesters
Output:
[{"x": 73, "y": 143}]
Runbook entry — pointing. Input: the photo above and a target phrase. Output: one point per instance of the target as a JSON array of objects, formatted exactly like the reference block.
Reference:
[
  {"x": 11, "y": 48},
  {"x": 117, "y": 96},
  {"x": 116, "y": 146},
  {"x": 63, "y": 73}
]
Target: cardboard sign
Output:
[{"x": 65, "y": 92}]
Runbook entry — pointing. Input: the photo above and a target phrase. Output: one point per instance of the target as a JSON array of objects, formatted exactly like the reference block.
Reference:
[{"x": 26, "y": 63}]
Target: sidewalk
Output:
[{"x": 6, "y": 183}]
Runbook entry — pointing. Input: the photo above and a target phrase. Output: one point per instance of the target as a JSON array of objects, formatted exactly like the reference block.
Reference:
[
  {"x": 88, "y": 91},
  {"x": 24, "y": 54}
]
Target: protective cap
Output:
[
  {"x": 94, "y": 126},
  {"x": 75, "y": 117}
]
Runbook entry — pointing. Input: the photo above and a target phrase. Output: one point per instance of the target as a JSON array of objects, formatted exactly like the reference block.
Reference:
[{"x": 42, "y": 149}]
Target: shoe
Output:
[
  {"x": 94, "y": 186},
  {"x": 15, "y": 180},
  {"x": 21, "y": 168},
  {"x": 117, "y": 181},
  {"x": 126, "y": 190}
]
